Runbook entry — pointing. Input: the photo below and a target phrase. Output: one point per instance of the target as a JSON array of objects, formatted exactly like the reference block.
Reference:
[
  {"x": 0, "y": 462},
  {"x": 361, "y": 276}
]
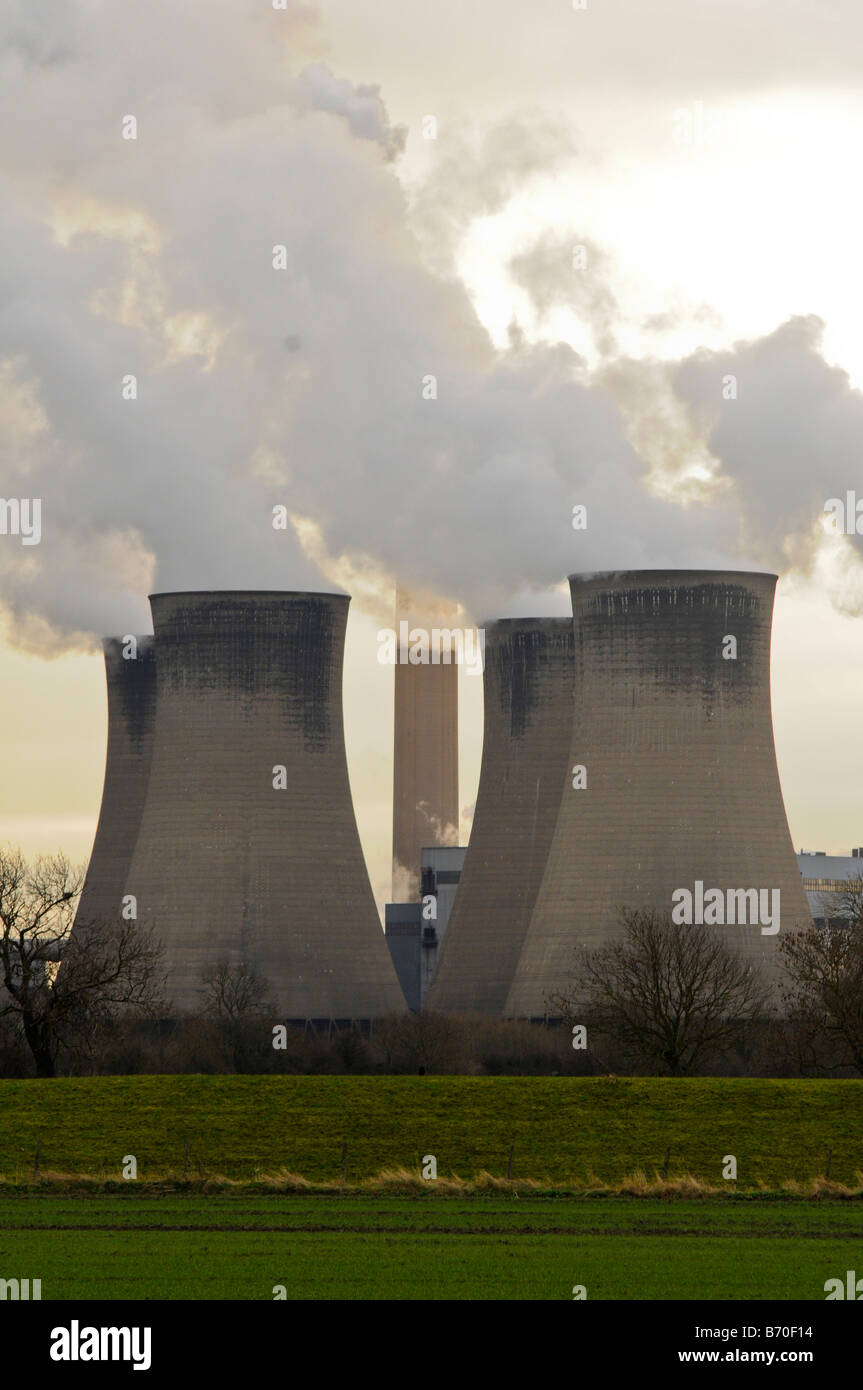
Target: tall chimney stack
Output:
[{"x": 425, "y": 755}]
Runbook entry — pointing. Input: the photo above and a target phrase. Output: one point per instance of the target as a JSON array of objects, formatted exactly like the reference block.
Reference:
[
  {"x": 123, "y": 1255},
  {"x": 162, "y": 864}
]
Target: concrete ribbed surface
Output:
[
  {"x": 527, "y": 690},
  {"x": 131, "y": 687},
  {"x": 682, "y": 783},
  {"x": 226, "y": 866}
]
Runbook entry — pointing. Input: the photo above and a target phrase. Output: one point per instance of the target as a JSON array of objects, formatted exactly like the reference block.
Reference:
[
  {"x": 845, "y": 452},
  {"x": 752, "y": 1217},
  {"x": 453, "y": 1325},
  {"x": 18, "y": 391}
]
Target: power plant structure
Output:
[
  {"x": 248, "y": 852},
  {"x": 130, "y": 672},
  {"x": 831, "y": 883},
  {"x": 528, "y": 711},
  {"x": 416, "y": 930},
  {"x": 628, "y": 763},
  {"x": 425, "y": 757},
  {"x": 679, "y": 790}
]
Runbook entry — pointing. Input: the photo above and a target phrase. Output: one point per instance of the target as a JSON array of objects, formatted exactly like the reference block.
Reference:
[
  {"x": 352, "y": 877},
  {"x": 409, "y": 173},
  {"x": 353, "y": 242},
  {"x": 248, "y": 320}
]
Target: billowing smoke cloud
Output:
[
  {"x": 772, "y": 432},
  {"x": 354, "y": 386},
  {"x": 476, "y": 175},
  {"x": 787, "y": 431},
  {"x": 555, "y": 262},
  {"x": 317, "y": 89}
]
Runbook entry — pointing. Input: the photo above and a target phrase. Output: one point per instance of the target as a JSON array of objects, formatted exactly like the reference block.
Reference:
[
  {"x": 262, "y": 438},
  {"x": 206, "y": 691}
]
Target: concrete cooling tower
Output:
[
  {"x": 527, "y": 687},
  {"x": 131, "y": 680},
  {"x": 673, "y": 726},
  {"x": 248, "y": 850}
]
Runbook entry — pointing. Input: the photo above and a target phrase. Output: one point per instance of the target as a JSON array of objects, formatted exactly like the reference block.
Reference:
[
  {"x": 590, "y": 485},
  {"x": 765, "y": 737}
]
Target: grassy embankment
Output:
[
  {"x": 563, "y": 1131},
  {"x": 243, "y": 1219}
]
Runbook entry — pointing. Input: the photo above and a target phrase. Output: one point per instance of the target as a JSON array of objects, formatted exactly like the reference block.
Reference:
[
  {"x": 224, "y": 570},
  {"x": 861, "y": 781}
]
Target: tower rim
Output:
[
  {"x": 249, "y": 593},
  {"x": 586, "y": 576}
]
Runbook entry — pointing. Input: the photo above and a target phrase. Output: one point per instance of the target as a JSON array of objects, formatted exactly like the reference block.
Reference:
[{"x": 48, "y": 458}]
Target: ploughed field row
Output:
[
  {"x": 359, "y": 1247},
  {"x": 744, "y": 1217}
]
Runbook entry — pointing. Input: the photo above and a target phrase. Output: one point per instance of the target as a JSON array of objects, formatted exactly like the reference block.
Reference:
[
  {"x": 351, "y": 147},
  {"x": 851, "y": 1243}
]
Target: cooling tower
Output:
[
  {"x": 527, "y": 689},
  {"x": 425, "y": 760},
  {"x": 239, "y": 861},
  {"x": 672, "y": 724},
  {"x": 131, "y": 681}
]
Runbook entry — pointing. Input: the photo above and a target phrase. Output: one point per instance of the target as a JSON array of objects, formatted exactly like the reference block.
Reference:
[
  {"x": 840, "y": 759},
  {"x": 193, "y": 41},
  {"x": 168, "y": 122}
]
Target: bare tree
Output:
[
  {"x": 234, "y": 992},
  {"x": 824, "y": 998},
  {"x": 62, "y": 987},
  {"x": 236, "y": 999},
  {"x": 847, "y": 905},
  {"x": 667, "y": 995},
  {"x": 422, "y": 1042}
]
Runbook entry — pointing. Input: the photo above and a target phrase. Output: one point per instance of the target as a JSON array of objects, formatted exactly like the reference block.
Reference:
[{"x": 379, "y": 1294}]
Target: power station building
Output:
[
  {"x": 828, "y": 879},
  {"x": 130, "y": 671},
  {"x": 628, "y": 759},
  {"x": 248, "y": 850},
  {"x": 415, "y": 930},
  {"x": 678, "y": 790},
  {"x": 528, "y": 693}
]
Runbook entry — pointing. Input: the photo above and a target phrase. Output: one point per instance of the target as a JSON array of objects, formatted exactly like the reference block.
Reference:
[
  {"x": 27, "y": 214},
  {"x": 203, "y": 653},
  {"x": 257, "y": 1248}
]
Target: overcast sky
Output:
[{"x": 623, "y": 208}]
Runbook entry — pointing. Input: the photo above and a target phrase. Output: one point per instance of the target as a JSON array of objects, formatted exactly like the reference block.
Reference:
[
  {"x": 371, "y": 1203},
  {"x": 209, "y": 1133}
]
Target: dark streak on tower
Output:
[
  {"x": 682, "y": 783},
  {"x": 527, "y": 725}
]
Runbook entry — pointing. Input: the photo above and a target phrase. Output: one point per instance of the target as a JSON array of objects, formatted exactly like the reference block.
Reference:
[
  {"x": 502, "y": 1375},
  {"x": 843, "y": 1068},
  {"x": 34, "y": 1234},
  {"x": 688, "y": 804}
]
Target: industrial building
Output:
[
  {"x": 415, "y": 930},
  {"x": 441, "y": 868},
  {"x": 675, "y": 785},
  {"x": 826, "y": 877},
  {"x": 528, "y": 694},
  {"x": 627, "y": 754},
  {"x": 130, "y": 672},
  {"x": 248, "y": 850}
]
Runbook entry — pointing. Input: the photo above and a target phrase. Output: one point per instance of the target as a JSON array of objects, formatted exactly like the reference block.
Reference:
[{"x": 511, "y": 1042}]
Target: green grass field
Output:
[
  {"x": 357, "y": 1247},
  {"x": 563, "y": 1130},
  {"x": 408, "y": 1239}
]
